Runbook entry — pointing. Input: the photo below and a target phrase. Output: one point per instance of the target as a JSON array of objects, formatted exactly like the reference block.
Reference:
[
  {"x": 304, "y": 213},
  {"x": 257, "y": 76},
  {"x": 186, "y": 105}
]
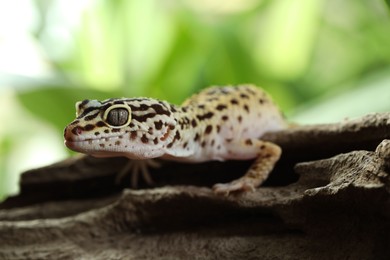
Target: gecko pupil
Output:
[{"x": 117, "y": 117}]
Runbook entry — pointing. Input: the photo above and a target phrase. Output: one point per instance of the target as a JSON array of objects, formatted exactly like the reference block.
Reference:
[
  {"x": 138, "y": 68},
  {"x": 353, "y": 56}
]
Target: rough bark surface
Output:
[{"x": 328, "y": 198}]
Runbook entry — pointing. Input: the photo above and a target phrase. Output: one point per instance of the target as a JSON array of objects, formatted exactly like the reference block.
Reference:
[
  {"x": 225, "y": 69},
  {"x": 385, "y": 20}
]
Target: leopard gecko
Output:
[{"x": 218, "y": 123}]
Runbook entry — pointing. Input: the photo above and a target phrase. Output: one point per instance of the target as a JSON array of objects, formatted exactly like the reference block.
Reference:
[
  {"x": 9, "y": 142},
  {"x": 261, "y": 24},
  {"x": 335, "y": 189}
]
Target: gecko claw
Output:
[
  {"x": 235, "y": 186},
  {"x": 135, "y": 168}
]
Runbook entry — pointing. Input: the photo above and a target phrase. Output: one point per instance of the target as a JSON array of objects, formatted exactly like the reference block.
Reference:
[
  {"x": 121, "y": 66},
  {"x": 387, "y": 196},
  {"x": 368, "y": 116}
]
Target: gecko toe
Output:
[{"x": 232, "y": 187}]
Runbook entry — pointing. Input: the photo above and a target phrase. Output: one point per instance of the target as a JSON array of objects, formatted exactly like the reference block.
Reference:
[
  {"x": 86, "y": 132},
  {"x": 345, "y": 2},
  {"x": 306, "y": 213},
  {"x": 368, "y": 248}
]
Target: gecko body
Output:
[{"x": 218, "y": 123}]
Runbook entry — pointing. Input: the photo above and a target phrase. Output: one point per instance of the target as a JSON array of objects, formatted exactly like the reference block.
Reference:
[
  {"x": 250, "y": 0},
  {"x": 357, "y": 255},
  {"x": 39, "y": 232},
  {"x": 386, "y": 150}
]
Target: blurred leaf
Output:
[
  {"x": 56, "y": 105},
  {"x": 371, "y": 94},
  {"x": 388, "y": 3},
  {"x": 5, "y": 145}
]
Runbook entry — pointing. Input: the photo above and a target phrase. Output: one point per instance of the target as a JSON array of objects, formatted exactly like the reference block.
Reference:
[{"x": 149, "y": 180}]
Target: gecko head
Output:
[{"x": 137, "y": 128}]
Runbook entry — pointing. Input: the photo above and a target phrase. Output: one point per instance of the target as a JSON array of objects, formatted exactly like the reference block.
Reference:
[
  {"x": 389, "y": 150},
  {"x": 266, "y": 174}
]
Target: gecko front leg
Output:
[
  {"x": 137, "y": 167},
  {"x": 267, "y": 156}
]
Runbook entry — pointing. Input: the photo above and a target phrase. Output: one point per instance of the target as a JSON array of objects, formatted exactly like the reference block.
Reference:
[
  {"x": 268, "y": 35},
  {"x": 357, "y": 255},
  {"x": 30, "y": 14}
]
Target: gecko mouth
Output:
[{"x": 81, "y": 145}]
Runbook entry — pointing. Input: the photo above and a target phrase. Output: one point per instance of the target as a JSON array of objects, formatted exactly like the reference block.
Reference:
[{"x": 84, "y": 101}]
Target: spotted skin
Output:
[{"x": 218, "y": 123}]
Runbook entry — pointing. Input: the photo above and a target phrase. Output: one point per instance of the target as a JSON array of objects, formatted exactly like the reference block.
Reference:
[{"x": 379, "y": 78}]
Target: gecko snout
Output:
[{"x": 70, "y": 132}]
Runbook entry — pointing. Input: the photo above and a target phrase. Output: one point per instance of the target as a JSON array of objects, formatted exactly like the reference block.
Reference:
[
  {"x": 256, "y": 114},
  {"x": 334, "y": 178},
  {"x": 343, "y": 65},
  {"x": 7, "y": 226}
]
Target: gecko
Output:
[{"x": 218, "y": 123}]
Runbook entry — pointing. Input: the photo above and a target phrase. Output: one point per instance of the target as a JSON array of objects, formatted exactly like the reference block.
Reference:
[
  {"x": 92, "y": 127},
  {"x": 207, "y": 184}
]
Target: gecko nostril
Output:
[{"x": 77, "y": 130}]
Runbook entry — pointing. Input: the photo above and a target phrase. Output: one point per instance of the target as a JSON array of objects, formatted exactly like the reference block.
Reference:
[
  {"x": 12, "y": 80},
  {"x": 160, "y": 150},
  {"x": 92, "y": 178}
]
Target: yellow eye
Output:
[{"x": 118, "y": 115}]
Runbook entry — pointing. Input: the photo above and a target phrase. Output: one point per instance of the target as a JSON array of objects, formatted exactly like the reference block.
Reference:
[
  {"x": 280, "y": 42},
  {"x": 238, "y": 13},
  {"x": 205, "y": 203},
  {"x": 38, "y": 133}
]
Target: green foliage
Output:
[
  {"x": 388, "y": 3},
  {"x": 56, "y": 104}
]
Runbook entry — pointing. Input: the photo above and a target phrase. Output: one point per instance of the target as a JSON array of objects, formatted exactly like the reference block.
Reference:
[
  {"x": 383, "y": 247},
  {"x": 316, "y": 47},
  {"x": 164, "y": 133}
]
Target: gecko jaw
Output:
[{"x": 92, "y": 144}]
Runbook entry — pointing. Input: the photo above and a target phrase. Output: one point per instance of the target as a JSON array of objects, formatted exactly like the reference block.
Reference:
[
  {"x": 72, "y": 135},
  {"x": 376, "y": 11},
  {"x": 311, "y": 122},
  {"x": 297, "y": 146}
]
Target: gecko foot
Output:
[
  {"x": 135, "y": 168},
  {"x": 240, "y": 185}
]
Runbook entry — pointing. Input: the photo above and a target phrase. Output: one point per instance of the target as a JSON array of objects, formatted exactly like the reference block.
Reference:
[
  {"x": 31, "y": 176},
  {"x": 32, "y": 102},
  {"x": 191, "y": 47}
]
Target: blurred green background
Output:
[{"x": 322, "y": 61}]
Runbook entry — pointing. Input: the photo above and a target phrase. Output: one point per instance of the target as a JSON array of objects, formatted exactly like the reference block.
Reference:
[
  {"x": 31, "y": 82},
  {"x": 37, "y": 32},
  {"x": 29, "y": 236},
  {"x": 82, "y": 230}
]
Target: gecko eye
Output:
[{"x": 117, "y": 116}]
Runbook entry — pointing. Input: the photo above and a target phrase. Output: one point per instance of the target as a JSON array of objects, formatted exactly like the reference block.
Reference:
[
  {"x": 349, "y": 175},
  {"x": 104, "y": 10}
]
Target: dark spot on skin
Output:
[
  {"x": 248, "y": 142},
  {"x": 120, "y": 137},
  {"x": 239, "y": 118},
  {"x": 228, "y": 140},
  {"x": 221, "y": 107},
  {"x": 97, "y": 133},
  {"x": 246, "y": 108},
  {"x": 171, "y": 127},
  {"x": 173, "y": 108},
  {"x": 194, "y": 123},
  {"x": 89, "y": 127},
  {"x": 177, "y": 135},
  {"x": 131, "y": 125},
  {"x": 158, "y": 124},
  {"x": 160, "y": 109},
  {"x": 155, "y": 140},
  {"x": 208, "y": 129},
  {"x": 196, "y": 138},
  {"x": 205, "y": 116},
  {"x": 219, "y": 147},
  {"x": 133, "y": 135},
  {"x": 212, "y": 99},
  {"x": 117, "y": 102},
  {"x": 102, "y": 145},
  {"x": 83, "y": 103},
  {"x": 203, "y": 144},
  {"x": 218, "y": 128},
  {"x": 90, "y": 117},
  {"x": 242, "y": 95},
  {"x": 261, "y": 101},
  {"x": 184, "y": 109},
  {"x": 212, "y": 142},
  {"x": 211, "y": 92},
  {"x": 117, "y": 142},
  {"x": 144, "y": 139},
  {"x": 171, "y": 144},
  {"x": 234, "y": 101},
  {"x": 185, "y": 145},
  {"x": 87, "y": 111},
  {"x": 100, "y": 124},
  {"x": 225, "y": 118},
  {"x": 262, "y": 147},
  {"x": 201, "y": 106},
  {"x": 109, "y": 144},
  {"x": 106, "y": 131},
  {"x": 143, "y": 118},
  {"x": 107, "y": 139},
  {"x": 115, "y": 130},
  {"x": 150, "y": 130},
  {"x": 75, "y": 122}
]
